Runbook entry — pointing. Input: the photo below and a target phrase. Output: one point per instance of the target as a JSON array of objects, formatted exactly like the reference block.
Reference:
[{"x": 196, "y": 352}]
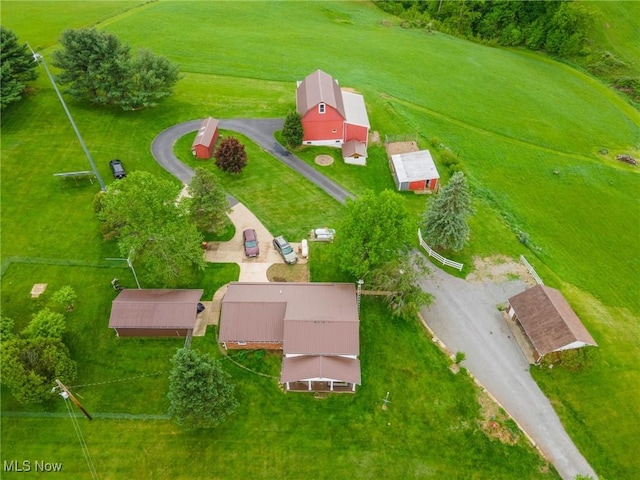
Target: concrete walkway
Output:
[{"x": 251, "y": 269}]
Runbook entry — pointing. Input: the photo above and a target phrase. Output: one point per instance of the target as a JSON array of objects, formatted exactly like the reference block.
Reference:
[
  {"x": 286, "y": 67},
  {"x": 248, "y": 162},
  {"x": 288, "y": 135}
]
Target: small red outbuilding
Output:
[{"x": 205, "y": 139}]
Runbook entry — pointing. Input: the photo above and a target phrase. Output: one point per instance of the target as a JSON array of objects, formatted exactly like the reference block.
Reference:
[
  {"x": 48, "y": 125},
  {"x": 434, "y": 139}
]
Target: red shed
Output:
[{"x": 205, "y": 139}]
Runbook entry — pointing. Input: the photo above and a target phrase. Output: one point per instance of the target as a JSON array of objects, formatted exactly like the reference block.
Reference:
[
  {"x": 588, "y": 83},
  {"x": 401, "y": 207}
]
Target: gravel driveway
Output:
[{"x": 464, "y": 316}]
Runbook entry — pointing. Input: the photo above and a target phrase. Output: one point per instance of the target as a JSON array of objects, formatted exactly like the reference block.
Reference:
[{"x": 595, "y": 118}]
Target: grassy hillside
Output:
[{"x": 527, "y": 130}]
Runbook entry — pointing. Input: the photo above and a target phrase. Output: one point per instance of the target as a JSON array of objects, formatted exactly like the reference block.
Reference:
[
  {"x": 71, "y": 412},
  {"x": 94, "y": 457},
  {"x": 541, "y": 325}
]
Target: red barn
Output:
[
  {"x": 333, "y": 117},
  {"x": 206, "y": 138}
]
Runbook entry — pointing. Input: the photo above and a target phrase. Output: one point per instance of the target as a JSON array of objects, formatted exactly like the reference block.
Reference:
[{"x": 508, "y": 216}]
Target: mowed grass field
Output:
[{"x": 526, "y": 129}]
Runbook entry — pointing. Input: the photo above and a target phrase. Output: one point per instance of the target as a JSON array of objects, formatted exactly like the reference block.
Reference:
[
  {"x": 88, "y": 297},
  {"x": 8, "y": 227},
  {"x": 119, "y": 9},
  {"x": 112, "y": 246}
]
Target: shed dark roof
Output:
[
  {"x": 206, "y": 132},
  {"x": 155, "y": 308},
  {"x": 311, "y": 318},
  {"x": 319, "y": 87},
  {"x": 548, "y": 320},
  {"x": 304, "y": 367}
]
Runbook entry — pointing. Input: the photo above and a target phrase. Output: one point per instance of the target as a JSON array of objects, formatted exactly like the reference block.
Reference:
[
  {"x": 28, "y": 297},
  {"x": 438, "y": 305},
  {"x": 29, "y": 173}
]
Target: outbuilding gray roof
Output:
[
  {"x": 319, "y": 87},
  {"x": 155, "y": 308},
  {"x": 548, "y": 320},
  {"x": 414, "y": 166}
]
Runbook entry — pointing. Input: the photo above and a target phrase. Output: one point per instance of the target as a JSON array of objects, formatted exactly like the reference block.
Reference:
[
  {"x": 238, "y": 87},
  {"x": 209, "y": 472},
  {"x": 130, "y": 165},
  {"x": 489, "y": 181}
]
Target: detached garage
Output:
[
  {"x": 206, "y": 138},
  {"x": 155, "y": 312},
  {"x": 414, "y": 171},
  {"x": 548, "y": 321}
]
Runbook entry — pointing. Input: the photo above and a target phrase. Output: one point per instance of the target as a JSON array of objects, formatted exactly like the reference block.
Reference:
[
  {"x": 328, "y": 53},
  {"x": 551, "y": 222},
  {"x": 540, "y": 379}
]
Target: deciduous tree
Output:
[
  {"x": 199, "y": 391},
  {"x": 445, "y": 223},
  {"x": 66, "y": 296},
  {"x": 375, "y": 231},
  {"x": 6, "y": 329},
  {"x": 17, "y": 67},
  {"x": 142, "y": 213},
  {"x": 401, "y": 280},
  {"x": 230, "y": 155},
  {"x": 208, "y": 203},
  {"x": 46, "y": 324},
  {"x": 30, "y": 367}
]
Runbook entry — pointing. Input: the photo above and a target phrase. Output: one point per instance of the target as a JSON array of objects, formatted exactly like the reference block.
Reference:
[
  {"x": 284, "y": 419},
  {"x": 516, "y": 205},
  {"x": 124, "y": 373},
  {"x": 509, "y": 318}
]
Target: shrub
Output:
[{"x": 230, "y": 155}]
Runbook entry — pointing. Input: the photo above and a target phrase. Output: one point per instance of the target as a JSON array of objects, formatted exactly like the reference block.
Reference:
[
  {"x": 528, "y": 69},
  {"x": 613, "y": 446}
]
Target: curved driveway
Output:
[
  {"x": 260, "y": 131},
  {"x": 463, "y": 315}
]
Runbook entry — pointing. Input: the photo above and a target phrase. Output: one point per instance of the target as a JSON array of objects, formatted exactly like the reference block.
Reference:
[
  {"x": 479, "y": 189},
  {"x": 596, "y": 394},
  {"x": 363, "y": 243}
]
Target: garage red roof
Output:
[{"x": 155, "y": 308}]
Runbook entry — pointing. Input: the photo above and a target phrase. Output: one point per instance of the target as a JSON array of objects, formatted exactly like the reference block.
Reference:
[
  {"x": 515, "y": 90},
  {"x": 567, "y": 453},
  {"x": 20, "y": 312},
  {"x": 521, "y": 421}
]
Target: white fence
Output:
[
  {"x": 531, "y": 270},
  {"x": 437, "y": 256}
]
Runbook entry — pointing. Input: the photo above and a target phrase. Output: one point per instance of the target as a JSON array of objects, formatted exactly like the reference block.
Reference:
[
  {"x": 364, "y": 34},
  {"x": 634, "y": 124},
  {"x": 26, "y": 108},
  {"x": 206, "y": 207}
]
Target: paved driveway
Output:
[
  {"x": 464, "y": 316},
  {"x": 260, "y": 131}
]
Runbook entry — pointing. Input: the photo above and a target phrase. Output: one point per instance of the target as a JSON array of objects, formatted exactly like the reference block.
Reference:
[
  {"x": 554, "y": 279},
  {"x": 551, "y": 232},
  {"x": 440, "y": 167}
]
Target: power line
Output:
[
  {"x": 83, "y": 443},
  {"x": 40, "y": 59},
  {"x": 119, "y": 380}
]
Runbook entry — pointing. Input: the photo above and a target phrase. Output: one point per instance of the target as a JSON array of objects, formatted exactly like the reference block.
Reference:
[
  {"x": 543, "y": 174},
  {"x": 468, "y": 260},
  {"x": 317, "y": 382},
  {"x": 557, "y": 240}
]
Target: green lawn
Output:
[
  {"x": 430, "y": 429},
  {"x": 513, "y": 119}
]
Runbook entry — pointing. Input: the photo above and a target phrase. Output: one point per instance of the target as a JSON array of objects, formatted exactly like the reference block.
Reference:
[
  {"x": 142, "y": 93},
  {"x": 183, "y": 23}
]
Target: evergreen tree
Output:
[
  {"x": 97, "y": 67},
  {"x": 446, "y": 217},
  {"x": 292, "y": 131},
  {"x": 230, "y": 155},
  {"x": 199, "y": 391},
  {"x": 17, "y": 67},
  {"x": 208, "y": 203}
]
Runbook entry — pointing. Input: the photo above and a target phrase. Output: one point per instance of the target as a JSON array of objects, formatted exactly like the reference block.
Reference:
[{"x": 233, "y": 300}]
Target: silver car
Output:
[{"x": 283, "y": 247}]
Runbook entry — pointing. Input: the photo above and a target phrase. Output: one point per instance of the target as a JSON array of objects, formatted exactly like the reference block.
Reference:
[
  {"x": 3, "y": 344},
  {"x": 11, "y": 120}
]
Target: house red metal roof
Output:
[
  {"x": 305, "y": 367},
  {"x": 319, "y": 87},
  {"x": 548, "y": 320},
  {"x": 257, "y": 321},
  {"x": 312, "y": 318},
  {"x": 155, "y": 308}
]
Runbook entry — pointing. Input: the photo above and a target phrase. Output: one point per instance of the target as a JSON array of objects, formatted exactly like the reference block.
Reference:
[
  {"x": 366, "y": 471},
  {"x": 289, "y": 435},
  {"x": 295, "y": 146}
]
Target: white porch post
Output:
[
  {"x": 331, "y": 385},
  {"x": 353, "y": 387},
  {"x": 287, "y": 385},
  {"x": 309, "y": 383}
]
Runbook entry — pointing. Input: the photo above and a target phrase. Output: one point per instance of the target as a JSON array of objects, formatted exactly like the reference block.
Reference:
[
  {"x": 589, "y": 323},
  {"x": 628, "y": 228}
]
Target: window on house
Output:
[{"x": 321, "y": 108}]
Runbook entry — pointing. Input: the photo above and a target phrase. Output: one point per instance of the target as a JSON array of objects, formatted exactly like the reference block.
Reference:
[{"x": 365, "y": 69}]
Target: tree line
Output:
[{"x": 560, "y": 28}]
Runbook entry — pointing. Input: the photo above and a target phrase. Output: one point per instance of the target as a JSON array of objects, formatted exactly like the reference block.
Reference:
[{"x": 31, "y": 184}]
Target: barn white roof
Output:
[{"x": 354, "y": 109}]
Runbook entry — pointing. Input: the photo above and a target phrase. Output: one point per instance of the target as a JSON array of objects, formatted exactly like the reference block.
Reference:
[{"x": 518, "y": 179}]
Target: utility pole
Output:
[
  {"x": 65, "y": 393},
  {"x": 40, "y": 59}
]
